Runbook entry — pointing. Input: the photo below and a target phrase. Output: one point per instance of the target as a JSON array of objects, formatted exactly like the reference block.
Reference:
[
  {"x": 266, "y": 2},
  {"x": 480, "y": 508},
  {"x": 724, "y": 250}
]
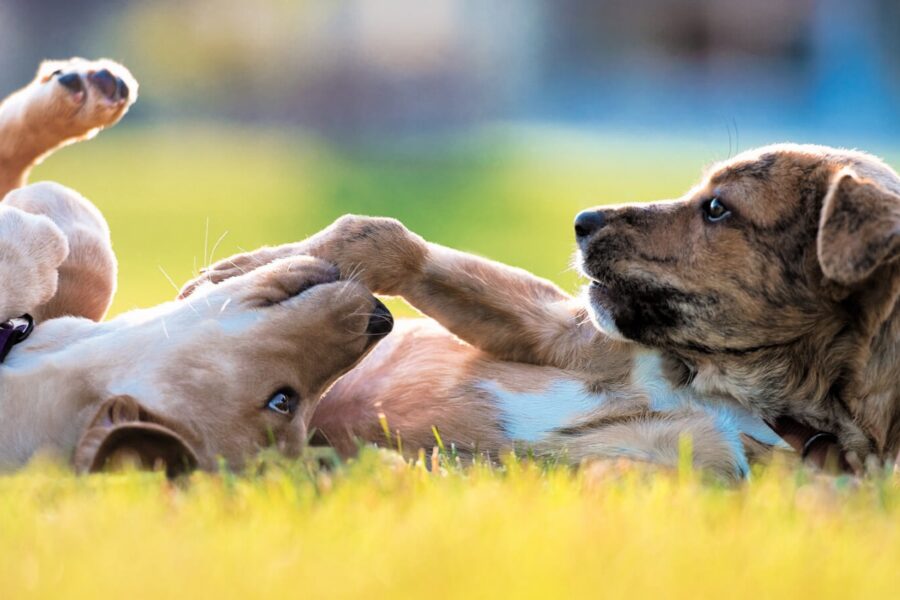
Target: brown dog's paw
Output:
[
  {"x": 378, "y": 252},
  {"x": 74, "y": 99}
]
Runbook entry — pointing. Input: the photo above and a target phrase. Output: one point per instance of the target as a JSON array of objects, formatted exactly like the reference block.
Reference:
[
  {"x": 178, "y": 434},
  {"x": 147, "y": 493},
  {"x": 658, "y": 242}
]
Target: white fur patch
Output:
[
  {"x": 529, "y": 416},
  {"x": 601, "y": 318},
  {"x": 731, "y": 418}
]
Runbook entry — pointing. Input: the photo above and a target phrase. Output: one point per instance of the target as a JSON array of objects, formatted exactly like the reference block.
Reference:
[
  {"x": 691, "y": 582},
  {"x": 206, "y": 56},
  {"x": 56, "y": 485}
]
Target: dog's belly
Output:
[
  {"x": 530, "y": 415},
  {"x": 422, "y": 378}
]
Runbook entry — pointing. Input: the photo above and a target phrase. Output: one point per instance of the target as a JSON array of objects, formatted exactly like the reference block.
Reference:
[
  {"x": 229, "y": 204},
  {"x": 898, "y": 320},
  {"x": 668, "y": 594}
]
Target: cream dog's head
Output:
[
  {"x": 769, "y": 280},
  {"x": 234, "y": 368}
]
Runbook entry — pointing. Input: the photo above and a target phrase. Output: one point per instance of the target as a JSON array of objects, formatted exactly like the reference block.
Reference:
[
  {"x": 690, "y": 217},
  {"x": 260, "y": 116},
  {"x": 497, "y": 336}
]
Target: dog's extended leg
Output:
[
  {"x": 87, "y": 277},
  {"x": 505, "y": 311},
  {"x": 67, "y": 101}
]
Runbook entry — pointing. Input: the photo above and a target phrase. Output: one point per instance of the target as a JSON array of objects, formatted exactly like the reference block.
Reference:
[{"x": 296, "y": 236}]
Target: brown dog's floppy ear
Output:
[
  {"x": 124, "y": 432},
  {"x": 859, "y": 229}
]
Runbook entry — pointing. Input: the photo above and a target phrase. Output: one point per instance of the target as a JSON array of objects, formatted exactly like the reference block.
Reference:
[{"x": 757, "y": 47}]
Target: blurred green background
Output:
[
  {"x": 177, "y": 198},
  {"x": 485, "y": 126}
]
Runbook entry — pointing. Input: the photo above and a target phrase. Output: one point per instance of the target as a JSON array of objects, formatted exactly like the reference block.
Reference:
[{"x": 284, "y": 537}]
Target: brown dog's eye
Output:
[
  {"x": 715, "y": 210},
  {"x": 284, "y": 401}
]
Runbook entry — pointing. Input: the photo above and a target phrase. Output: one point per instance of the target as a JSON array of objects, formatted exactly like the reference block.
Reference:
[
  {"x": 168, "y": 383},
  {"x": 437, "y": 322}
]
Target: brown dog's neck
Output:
[{"x": 844, "y": 378}]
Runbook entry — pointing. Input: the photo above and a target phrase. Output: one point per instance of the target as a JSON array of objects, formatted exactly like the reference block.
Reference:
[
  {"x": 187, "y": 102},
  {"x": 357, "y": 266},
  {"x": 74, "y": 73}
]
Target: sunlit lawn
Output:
[
  {"x": 381, "y": 529},
  {"x": 378, "y": 528}
]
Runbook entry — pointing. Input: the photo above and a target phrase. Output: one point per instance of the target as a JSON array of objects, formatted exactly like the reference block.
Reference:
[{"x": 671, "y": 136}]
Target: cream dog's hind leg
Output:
[
  {"x": 67, "y": 101},
  {"x": 32, "y": 248},
  {"x": 87, "y": 277}
]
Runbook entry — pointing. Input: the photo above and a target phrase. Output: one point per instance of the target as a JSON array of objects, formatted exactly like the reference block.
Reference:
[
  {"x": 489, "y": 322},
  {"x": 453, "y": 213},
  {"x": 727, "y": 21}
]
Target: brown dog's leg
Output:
[
  {"x": 67, "y": 101},
  {"x": 87, "y": 277},
  {"x": 502, "y": 310}
]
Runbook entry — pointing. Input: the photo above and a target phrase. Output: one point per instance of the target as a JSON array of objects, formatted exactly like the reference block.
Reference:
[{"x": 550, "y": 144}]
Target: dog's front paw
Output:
[
  {"x": 32, "y": 247},
  {"x": 74, "y": 99},
  {"x": 379, "y": 253},
  {"x": 236, "y": 265}
]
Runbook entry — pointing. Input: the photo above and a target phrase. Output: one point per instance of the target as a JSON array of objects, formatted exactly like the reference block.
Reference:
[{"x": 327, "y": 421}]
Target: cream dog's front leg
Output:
[{"x": 32, "y": 248}]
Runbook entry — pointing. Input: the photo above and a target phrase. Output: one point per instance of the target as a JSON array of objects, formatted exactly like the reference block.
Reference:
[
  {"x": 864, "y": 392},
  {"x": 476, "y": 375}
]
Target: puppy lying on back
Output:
[
  {"x": 238, "y": 368},
  {"x": 506, "y": 359}
]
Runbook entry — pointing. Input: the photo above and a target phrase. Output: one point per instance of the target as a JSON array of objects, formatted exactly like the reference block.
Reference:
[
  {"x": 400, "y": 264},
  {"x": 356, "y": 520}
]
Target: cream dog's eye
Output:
[
  {"x": 284, "y": 401},
  {"x": 715, "y": 210}
]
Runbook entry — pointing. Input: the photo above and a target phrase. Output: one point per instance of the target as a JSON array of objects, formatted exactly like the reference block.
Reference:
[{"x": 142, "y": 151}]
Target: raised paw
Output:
[
  {"x": 79, "y": 97},
  {"x": 67, "y": 101},
  {"x": 379, "y": 253},
  {"x": 234, "y": 266},
  {"x": 32, "y": 248}
]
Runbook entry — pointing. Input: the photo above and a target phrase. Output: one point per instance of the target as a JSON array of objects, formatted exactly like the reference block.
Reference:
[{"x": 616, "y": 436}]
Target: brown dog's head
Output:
[
  {"x": 234, "y": 368},
  {"x": 780, "y": 256}
]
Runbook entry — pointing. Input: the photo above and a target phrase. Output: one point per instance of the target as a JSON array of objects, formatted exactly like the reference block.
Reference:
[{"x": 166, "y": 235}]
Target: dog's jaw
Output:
[{"x": 600, "y": 315}]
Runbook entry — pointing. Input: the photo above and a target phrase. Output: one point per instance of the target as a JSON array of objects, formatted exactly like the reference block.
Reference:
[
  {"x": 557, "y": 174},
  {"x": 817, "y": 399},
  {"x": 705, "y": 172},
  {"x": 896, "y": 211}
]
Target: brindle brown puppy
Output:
[{"x": 774, "y": 281}]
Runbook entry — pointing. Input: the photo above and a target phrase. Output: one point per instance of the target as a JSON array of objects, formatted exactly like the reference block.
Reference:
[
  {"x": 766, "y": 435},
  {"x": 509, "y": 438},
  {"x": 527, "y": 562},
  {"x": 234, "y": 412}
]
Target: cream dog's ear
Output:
[
  {"x": 124, "y": 432},
  {"x": 859, "y": 228}
]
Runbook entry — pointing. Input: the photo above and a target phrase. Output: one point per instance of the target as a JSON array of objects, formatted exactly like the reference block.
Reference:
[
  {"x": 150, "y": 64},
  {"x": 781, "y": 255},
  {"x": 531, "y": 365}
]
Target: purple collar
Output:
[{"x": 14, "y": 331}]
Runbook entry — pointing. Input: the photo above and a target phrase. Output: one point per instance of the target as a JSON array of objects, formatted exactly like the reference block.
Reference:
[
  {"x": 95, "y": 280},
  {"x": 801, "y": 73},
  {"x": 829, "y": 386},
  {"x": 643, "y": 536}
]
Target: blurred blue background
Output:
[{"x": 359, "y": 68}]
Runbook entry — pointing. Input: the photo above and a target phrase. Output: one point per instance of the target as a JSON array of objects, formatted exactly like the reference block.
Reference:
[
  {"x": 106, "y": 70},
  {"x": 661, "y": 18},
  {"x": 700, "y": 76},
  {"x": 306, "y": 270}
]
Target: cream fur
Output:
[{"x": 185, "y": 384}]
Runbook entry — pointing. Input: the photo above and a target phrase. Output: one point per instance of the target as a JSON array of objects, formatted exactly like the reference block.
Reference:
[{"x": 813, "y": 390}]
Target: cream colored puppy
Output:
[{"x": 183, "y": 384}]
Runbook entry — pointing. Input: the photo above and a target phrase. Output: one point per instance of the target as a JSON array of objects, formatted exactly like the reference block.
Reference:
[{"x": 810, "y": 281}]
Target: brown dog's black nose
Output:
[{"x": 587, "y": 223}]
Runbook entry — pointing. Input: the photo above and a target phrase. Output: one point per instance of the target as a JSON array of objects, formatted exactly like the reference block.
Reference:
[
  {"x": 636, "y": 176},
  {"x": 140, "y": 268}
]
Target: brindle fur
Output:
[{"x": 789, "y": 305}]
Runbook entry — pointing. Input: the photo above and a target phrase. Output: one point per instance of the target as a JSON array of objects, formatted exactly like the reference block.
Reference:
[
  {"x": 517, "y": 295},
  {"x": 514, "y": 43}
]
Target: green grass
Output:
[{"x": 379, "y": 528}]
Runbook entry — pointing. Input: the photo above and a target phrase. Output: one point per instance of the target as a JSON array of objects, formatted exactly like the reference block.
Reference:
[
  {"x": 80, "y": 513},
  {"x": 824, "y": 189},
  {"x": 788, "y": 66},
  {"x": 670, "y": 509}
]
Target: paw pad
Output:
[{"x": 111, "y": 87}]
